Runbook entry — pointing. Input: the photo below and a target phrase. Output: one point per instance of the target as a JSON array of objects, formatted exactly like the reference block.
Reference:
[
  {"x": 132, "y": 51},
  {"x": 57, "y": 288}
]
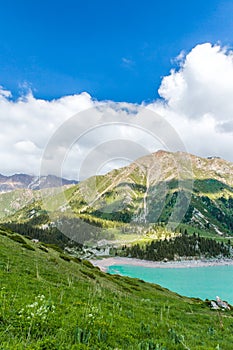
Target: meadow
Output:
[{"x": 49, "y": 300}]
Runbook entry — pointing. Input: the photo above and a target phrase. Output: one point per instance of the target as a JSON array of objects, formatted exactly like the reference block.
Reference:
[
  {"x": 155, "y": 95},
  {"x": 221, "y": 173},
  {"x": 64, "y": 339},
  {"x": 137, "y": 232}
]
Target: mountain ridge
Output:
[
  {"x": 24, "y": 181},
  {"x": 164, "y": 188},
  {"x": 146, "y": 190}
]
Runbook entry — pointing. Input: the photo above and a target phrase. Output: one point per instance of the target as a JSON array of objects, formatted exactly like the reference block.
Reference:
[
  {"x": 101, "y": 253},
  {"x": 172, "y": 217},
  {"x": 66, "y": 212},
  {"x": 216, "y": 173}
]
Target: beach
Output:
[{"x": 104, "y": 263}]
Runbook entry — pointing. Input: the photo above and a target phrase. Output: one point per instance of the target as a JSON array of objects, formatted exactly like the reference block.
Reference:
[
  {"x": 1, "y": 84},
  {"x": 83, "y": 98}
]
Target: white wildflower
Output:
[{"x": 39, "y": 310}]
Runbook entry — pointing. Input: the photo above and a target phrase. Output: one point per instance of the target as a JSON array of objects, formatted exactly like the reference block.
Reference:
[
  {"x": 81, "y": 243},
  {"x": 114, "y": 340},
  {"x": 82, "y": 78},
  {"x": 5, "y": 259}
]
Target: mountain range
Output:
[
  {"x": 163, "y": 189},
  {"x": 20, "y": 181},
  {"x": 160, "y": 188}
]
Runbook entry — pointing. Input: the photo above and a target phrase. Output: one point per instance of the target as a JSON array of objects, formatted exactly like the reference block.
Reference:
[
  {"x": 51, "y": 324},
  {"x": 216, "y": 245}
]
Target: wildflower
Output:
[{"x": 38, "y": 311}]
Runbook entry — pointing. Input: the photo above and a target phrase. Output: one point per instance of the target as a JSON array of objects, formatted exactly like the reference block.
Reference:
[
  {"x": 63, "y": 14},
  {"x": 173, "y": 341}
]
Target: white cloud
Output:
[
  {"x": 27, "y": 124},
  {"x": 4, "y": 93},
  {"x": 202, "y": 85},
  {"x": 196, "y": 102},
  {"x": 25, "y": 146}
]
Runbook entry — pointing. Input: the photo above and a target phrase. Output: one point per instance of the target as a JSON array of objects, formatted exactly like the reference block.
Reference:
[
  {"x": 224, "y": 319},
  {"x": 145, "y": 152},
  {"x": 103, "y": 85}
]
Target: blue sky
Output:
[
  {"x": 58, "y": 59},
  {"x": 115, "y": 50}
]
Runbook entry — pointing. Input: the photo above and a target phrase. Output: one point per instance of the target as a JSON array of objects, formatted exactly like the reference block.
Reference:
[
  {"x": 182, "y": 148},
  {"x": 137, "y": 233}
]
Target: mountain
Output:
[
  {"x": 20, "y": 190},
  {"x": 52, "y": 301},
  {"x": 23, "y": 181},
  {"x": 164, "y": 189}
]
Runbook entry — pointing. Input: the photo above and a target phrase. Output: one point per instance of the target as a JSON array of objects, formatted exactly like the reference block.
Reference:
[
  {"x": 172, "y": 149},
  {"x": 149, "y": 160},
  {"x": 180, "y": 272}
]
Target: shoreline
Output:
[{"x": 104, "y": 263}]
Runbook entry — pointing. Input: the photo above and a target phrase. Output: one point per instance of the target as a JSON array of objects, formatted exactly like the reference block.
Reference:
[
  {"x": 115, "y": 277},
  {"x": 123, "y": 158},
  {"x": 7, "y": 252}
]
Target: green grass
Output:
[{"x": 48, "y": 302}]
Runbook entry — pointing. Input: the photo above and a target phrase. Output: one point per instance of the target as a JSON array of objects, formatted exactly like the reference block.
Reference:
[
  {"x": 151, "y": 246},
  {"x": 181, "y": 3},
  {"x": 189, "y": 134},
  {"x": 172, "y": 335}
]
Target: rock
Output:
[
  {"x": 213, "y": 305},
  {"x": 222, "y": 304}
]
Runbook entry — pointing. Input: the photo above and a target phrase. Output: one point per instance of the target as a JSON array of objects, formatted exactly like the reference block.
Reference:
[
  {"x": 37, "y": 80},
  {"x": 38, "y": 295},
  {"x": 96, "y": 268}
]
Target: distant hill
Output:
[{"x": 23, "y": 181}]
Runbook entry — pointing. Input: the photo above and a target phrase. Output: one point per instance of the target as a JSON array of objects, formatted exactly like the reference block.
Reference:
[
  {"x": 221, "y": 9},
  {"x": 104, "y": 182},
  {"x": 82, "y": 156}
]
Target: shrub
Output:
[
  {"x": 76, "y": 259},
  {"x": 27, "y": 246},
  {"x": 87, "y": 263},
  {"x": 100, "y": 273},
  {"x": 3, "y": 233},
  {"x": 54, "y": 247},
  {"x": 64, "y": 257},
  {"x": 28, "y": 237},
  {"x": 7, "y": 229},
  {"x": 18, "y": 238},
  {"x": 89, "y": 274},
  {"x": 43, "y": 249}
]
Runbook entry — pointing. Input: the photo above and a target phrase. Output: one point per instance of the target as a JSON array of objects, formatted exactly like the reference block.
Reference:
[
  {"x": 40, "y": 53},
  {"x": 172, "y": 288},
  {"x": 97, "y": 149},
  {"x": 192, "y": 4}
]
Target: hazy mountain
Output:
[{"x": 20, "y": 181}]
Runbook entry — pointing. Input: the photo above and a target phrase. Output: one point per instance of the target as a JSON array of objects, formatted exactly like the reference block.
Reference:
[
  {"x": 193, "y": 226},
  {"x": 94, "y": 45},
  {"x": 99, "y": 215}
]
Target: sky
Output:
[{"x": 58, "y": 59}]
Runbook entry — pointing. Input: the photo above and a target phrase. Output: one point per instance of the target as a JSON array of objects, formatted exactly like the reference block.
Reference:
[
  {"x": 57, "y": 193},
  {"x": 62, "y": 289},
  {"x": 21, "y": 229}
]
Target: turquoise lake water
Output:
[{"x": 199, "y": 282}]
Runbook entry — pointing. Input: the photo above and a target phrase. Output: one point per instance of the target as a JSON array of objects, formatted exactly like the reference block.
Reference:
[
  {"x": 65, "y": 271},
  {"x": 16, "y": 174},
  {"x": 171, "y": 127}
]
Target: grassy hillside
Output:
[{"x": 51, "y": 301}]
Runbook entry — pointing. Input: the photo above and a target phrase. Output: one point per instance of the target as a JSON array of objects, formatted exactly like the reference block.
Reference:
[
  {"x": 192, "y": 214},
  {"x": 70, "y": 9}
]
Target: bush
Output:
[
  {"x": 87, "y": 263},
  {"x": 3, "y": 233},
  {"x": 64, "y": 257},
  {"x": 54, "y": 247},
  {"x": 27, "y": 246},
  {"x": 28, "y": 237},
  {"x": 43, "y": 249},
  {"x": 76, "y": 259},
  {"x": 88, "y": 274},
  {"x": 7, "y": 230},
  {"x": 18, "y": 238}
]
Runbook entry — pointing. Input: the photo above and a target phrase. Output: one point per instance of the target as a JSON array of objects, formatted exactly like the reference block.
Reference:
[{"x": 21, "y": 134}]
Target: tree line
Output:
[
  {"x": 50, "y": 235},
  {"x": 180, "y": 246}
]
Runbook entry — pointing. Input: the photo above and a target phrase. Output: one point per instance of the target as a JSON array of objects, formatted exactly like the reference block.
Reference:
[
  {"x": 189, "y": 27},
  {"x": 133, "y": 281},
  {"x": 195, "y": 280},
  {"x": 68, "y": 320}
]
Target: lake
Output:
[{"x": 199, "y": 282}]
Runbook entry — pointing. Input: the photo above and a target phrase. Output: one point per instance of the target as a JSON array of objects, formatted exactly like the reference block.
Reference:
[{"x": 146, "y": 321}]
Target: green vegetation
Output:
[
  {"x": 50, "y": 301},
  {"x": 126, "y": 201},
  {"x": 192, "y": 246},
  {"x": 50, "y": 235}
]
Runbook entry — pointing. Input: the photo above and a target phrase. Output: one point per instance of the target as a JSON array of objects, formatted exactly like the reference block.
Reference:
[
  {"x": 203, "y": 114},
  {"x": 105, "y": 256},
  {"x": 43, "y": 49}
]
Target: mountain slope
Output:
[
  {"x": 163, "y": 188},
  {"x": 152, "y": 188},
  {"x": 52, "y": 301}
]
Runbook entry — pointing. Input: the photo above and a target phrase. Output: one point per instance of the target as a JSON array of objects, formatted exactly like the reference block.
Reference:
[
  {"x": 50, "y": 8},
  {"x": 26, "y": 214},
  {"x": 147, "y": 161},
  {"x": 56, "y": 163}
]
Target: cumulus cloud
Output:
[
  {"x": 25, "y": 146},
  {"x": 26, "y": 125},
  {"x": 203, "y": 84},
  {"x": 67, "y": 131},
  {"x": 196, "y": 102},
  {"x": 95, "y": 139}
]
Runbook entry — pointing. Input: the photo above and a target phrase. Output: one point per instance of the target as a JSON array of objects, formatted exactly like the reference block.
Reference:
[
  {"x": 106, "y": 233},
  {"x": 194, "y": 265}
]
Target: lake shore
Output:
[{"x": 104, "y": 263}]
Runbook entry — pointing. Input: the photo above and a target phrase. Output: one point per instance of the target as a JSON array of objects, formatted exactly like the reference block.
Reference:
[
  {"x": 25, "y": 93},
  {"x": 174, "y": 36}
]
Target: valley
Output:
[
  {"x": 163, "y": 207},
  {"x": 157, "y": 197}
]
